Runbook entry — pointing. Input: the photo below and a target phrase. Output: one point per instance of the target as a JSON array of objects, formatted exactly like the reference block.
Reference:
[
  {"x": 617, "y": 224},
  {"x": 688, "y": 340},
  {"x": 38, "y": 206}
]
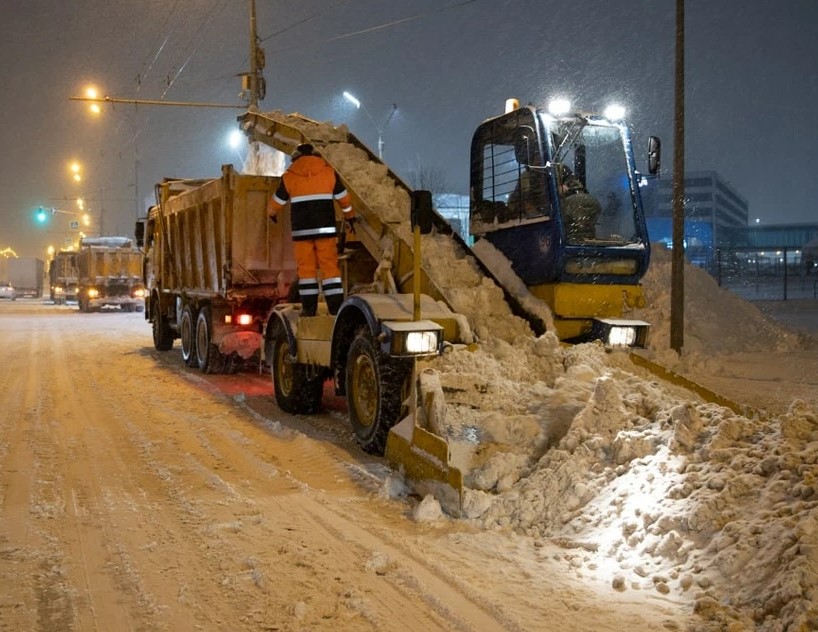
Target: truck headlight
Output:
[
  {"x": 616, "y": 332},
  {"x": 93, "y": 292},
  {"x": 411, "y": 338},
  {"x": 139, "y": 293}
]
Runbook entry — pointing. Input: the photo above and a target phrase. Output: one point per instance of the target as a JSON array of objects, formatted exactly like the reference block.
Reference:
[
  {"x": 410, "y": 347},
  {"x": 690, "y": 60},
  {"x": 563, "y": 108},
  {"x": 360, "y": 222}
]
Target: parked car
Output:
[{"x": 7, "y": 291}]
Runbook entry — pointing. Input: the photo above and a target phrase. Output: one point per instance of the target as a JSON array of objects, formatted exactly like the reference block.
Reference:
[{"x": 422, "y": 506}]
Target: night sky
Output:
[{"x": 751, "y": 89}]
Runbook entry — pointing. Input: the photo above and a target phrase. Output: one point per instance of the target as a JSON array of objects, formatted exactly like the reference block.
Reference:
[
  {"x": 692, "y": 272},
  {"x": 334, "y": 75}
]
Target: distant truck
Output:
[
  {"x": 63, "y": 277},
  {"x": 109, "y": 274},
  {"x": 26, "y": 275}
]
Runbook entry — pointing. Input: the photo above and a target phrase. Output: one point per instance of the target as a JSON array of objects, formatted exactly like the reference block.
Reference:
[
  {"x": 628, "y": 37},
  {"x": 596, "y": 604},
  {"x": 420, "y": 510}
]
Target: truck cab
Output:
[{"x": 558, "y": 196}]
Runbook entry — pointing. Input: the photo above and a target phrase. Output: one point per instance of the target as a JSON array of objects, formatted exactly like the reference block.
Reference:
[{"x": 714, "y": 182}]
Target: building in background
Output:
[
  {"x": 755, "y": 260},
  {"x": 712, "y": 207}
]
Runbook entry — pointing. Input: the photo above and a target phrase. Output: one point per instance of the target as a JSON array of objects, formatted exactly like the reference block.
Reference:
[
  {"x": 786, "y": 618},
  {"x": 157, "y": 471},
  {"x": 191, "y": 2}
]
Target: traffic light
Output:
[{"x": 42, "y": 214}]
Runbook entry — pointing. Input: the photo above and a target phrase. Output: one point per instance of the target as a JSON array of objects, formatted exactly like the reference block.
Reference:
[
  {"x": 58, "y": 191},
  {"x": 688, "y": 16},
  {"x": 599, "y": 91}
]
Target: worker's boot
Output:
[
  {"x": 334, "y": 303},
  {"x": 309, "y": 305}
]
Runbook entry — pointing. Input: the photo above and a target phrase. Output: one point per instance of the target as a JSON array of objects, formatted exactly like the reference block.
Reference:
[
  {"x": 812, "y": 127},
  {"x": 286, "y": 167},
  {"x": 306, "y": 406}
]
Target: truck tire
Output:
[
  {"x": 187, "y": 330},
  {"x": 376, "y": 389},
  {"x": 162, "y": 333},
  {"x": 298, "y": 391},
  {"x": 207, "y": 354}
]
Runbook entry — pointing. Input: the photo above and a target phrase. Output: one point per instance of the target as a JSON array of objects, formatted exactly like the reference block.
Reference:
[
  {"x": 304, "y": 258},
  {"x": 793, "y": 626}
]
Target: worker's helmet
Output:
[{"x": 304, "y": 149}]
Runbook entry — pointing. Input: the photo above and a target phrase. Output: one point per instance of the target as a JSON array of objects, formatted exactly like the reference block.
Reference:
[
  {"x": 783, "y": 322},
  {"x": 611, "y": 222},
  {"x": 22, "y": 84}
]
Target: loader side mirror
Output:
[
  {"x": 422, "y": 214},
  {"x": 139, "y": 233},
  {"x": 654, "y": 155}
]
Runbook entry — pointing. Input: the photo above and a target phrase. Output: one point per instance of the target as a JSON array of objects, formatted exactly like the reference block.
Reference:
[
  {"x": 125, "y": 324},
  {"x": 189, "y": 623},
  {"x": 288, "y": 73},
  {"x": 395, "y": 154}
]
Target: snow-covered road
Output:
[{"x": 137, "y": 494}]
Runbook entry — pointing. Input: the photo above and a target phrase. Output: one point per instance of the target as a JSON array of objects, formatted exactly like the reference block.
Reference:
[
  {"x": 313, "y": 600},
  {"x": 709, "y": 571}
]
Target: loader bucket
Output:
[{"x": 424, "y": 459}]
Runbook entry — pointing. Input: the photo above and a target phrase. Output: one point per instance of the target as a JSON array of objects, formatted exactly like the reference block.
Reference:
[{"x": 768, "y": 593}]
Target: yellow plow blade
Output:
[{"x": 424, "y": 459}]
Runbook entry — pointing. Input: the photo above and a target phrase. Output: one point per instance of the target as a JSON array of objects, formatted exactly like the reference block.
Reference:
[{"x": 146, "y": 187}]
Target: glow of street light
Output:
[
  {"x": 91, "y": 93},
  {"x": 352, "y": 100},
  {"x": 235, "y": 139}
]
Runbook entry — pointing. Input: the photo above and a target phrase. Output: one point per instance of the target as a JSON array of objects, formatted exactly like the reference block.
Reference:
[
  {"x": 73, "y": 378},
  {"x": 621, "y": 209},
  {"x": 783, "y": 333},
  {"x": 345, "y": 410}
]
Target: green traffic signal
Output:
[{"x": 41, "y": 215}]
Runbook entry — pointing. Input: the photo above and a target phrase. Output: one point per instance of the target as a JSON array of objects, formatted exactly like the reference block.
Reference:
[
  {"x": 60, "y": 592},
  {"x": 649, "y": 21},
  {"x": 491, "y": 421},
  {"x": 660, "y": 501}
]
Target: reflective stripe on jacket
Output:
[{"x": 311, "y": 185}]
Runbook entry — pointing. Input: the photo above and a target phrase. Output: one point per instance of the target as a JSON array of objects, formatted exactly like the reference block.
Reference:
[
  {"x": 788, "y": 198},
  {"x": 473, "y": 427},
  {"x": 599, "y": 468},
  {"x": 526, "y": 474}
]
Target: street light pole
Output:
[{"x": 380, "y": 128}]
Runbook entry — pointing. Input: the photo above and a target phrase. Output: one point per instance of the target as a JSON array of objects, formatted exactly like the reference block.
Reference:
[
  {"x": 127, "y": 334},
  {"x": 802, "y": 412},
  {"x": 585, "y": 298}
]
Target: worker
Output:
[
  {"x": 311, "y": 186},
  {"x": 580, "y": 209}
]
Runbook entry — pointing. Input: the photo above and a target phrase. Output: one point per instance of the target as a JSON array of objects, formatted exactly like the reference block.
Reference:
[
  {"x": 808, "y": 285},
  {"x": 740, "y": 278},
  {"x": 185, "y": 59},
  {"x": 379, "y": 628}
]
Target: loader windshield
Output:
[{"x": 590, "y": 168}]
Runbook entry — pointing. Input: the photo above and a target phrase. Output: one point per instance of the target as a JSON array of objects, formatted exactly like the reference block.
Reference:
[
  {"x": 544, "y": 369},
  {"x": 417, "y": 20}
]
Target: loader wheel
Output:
[
  {"x": 162, "y": 333},
  {"x": 208, "y": 357},
  {"x": 187, "y": 329},
  {"x": 298, "y": 387},
  {"x": 377, "y": 386}
]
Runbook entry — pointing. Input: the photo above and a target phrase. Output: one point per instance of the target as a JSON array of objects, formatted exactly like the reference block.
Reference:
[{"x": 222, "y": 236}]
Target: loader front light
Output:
[
  {"x": 618, "y": 333},
  {"x": 411, "y": 338},
  {"x": 93, "y": 292}
]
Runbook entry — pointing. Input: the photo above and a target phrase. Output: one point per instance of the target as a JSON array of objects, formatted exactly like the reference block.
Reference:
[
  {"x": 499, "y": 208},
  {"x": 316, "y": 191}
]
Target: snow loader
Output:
[{"x": 588, "y": 284}]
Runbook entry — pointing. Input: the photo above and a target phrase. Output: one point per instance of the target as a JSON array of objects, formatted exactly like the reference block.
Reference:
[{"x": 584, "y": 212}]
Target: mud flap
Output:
[{"x": 424, "y": 459}]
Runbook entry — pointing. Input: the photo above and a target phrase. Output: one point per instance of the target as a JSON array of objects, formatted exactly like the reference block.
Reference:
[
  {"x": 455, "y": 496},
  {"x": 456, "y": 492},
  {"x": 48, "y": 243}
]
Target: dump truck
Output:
[
  {"x": 109, "y": 274},
  {"x": 26, "y": 275},
  {"x": 63, "y": 277},
  {"x": 214, "y": 267}
]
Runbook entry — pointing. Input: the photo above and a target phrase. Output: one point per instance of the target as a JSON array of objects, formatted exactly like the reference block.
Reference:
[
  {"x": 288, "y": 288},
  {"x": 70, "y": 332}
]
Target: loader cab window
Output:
[
  {"x": 593, "y": 155},
  {"x": 509, "y": 185}
]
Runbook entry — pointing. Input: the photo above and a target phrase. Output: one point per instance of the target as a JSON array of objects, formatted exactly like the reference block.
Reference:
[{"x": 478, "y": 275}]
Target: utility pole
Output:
[
  {"x": 255, "y": 86},
  {"x": 677, "y": 284}
]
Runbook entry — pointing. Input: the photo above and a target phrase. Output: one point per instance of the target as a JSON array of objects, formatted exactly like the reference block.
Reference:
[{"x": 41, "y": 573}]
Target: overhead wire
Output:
[
  {"x": 379, "y": 27},
  {"x": 201, "y": 26}
]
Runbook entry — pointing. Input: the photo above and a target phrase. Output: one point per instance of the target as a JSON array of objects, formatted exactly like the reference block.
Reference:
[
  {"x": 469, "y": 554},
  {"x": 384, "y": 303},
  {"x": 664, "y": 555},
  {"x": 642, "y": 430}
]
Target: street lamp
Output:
[
  {"x": 75, "y": 168},
  {"x": 358, "y": 105}
]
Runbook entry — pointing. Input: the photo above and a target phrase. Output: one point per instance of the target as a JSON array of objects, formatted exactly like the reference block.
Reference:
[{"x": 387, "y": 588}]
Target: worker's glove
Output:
[{"x": 351, "y": 221}]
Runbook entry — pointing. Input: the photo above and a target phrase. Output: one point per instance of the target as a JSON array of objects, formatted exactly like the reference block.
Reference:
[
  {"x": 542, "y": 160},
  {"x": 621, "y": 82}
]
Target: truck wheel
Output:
[
  {"x": 162, "y": 333},
  {"x": 376, "y": 389},
  {"x": 207, "y": 354},
  {"x": 297, "y": 390},
  {"x": 187, "y": 328}
]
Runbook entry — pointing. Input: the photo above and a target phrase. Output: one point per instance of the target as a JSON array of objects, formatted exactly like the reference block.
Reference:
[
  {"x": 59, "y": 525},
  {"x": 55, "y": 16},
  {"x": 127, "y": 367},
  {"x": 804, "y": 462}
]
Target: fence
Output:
[{"x": 777, "y": 274}]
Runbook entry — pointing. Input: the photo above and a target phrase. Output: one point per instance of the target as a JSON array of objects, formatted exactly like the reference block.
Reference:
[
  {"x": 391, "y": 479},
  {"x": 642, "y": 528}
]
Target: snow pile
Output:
[
  {"x": 642, "y": 489},
  {"x": 716, "y": 321}
]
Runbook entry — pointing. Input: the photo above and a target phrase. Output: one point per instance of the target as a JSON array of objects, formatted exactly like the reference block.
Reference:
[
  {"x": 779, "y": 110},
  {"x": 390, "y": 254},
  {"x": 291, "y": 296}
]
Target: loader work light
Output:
[
  {"x": 411, "y": 338},
  {"x": 615, "y": 332}
]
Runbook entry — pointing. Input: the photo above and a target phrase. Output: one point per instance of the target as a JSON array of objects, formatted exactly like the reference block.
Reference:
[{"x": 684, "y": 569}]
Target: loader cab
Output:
[{"x": 559, "y": 197}]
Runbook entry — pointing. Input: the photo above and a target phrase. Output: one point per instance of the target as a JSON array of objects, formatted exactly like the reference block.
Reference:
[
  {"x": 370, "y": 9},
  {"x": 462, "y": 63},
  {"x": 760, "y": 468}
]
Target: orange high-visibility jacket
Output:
[{"x": 311, "y": 185}]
